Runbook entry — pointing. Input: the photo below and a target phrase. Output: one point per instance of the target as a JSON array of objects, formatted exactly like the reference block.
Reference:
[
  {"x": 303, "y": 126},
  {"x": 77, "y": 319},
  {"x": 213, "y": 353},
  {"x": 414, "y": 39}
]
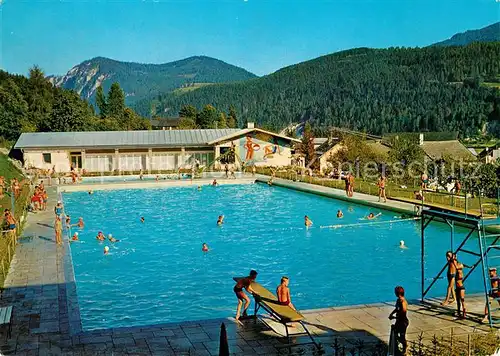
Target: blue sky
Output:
[{"x": 258, "y": 35}]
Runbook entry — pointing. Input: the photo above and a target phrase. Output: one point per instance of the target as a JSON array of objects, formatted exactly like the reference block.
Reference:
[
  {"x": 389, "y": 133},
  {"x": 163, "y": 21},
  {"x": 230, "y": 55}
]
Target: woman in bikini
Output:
[
  {"x": 244, "y": 283},
  {"x": 460, "y": 288},
  {"x": 452, "y": 270}
]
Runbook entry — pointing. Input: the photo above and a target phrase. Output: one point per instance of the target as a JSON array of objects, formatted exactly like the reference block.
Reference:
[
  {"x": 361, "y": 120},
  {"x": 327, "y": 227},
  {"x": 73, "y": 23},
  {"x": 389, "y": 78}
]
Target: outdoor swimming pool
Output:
[{"x": 157, "y": 273}]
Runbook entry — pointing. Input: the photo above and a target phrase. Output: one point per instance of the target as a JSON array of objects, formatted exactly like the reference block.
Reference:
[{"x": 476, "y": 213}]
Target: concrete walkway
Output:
[{"x": 40, "y": 286}]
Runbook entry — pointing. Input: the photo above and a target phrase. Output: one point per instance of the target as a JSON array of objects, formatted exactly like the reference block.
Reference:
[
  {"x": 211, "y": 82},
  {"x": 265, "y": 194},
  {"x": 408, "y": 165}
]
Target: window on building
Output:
[
  {"x": 227, "y": 155},
  {"x": 47, "y": 157}
]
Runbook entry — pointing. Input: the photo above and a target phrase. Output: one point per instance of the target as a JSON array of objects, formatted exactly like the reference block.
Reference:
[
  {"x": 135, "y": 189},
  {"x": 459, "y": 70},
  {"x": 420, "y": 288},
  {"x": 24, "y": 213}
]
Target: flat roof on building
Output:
[{"x": 124, "y": 139}]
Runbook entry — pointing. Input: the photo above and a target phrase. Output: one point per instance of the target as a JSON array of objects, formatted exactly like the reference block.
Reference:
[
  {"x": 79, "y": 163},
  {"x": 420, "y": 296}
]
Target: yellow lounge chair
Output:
[{"x": 282, "y": 313}]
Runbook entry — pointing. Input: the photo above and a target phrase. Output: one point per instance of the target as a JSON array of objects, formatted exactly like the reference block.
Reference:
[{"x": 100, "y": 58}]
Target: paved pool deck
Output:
[{"x": 40, "y": 286}]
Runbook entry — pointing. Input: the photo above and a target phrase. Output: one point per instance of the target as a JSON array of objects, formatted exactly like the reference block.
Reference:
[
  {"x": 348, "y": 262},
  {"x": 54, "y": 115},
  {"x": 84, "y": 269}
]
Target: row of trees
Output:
[
  {"x": 372, "y": 90},
  {"x": 207, "y": 118},
  {"x": 405, "y": 160},
  {"x": 31, "y": 104}
]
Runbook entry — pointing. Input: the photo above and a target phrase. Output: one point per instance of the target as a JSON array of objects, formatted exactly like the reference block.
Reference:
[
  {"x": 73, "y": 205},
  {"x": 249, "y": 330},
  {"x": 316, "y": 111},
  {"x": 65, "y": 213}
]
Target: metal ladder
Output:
[{"x": 491, "y": 256}]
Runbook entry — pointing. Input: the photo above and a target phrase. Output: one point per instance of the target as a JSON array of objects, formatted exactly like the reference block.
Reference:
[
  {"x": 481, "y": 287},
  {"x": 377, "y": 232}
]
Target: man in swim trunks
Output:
[
  {"x": 494, "y": 292},
  {"x": 226, "y": 169},
  {"x": 450, "y": 292},
  {"x": 307, "y": 222},
  {"x": 425, "y": 180},
  {"x": 283, "y": 293},
  {"x": 242, "y": 297},
  {"x": 351, "y": 184},
  {"x": 381, "y": 188},
  {"x": 80, "y": 223},
  {"x": 400, "y": 314}
]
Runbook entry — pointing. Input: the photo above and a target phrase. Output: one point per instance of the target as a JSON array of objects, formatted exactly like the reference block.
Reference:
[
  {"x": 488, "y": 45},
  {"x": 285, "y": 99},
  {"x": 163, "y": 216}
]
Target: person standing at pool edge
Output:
[
  {"x": 400, "y": 314},
  {"x": 58, "y": 230},
  {"x": 242, "y": 297},
  {"x": 452, "y": 270},
  {"x": 381, "y": 188}
]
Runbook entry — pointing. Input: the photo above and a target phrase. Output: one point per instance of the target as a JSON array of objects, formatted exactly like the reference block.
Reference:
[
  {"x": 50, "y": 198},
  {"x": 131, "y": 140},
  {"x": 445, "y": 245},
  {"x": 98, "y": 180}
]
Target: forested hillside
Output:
[
  {"x": 377, "y": 90},
  {"x": 140, "y": 80},
  {"x": 34, "y": 104}
]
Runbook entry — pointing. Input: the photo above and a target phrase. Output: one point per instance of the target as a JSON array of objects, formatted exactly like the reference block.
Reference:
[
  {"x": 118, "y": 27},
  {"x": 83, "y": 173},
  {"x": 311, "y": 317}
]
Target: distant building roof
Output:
[
  {"x": 165, "y": 122},
  {"x": 241, "y": 132},
  {"x": 379, "y": 148},
  {"x": 453, "y": 148},
  {"x": 122, "y": 139}
]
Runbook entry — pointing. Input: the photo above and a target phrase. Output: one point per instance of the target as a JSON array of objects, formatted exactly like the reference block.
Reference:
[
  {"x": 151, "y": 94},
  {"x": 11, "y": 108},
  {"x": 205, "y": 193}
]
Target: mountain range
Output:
[
  {"x": 139, "y": 81},
  {"x": 450, "y": 85},
  {"x": 489, "y": 33}
]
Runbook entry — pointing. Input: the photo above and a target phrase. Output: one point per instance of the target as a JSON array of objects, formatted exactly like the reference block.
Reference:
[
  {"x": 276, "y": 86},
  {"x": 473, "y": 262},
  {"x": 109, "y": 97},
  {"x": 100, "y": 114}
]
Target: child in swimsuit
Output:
[
  {"x": 494, "y": 292},
  {"x": 75, "y": 237},
  {"x": 450, "y": 293},
  {"x": 112, "y": 239},
  {"x": 242, "y": 297},
  {"x": 58, "y": 209},
  {"x": 283, "y": 293},
  {"x": 400, "y": 314},
  {"x": 340, "y": 214},
  {"x": 204, "y": 247},
  {"x": 80, "y": 223},
  {"x": 381, "y": 189}
]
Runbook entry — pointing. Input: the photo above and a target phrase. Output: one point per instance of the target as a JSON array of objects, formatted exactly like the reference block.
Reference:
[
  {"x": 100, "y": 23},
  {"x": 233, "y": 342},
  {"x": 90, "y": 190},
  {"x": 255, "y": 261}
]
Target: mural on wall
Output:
[{"x": 260, "y": 147}]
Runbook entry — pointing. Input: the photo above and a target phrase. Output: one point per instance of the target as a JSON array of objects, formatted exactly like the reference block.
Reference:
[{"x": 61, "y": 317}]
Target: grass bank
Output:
[
  {"x": 8, "y": 243},
  {"x": 394, "y": 189}
]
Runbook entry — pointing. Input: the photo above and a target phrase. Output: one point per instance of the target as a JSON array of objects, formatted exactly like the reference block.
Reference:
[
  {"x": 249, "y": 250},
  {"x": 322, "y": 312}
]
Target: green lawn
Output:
[{"x": 7, "y": 245}]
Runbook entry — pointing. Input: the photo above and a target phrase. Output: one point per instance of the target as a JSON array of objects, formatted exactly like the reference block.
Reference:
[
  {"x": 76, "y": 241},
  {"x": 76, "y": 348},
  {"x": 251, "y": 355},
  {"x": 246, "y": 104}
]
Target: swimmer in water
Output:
[
  {"x": 91, "y": 192},
  {"x": 204, "y": 247},
  {"x": 142, "y": 219},
  {"x": 307, "y": 222},
  {"x": 199, "y": 188},
  {"x": 80, "y": 223},
  {"x": 220, "y": 220},
  {"x": 75, "y": 237},
  {"x": 371, "y": 216},
  {"x": 100, "y": 236},
  {"x": 106, "y": 250},
  {"x": 402, "y": 245},
  {"x": 111, "y": 238},
  {"x": 214, "y": 183},
  {"x": 340, "y": 214}
]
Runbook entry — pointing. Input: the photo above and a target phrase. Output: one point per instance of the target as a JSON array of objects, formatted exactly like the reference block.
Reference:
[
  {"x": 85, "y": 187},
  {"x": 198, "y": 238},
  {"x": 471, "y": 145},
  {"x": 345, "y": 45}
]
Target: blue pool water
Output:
[{"x": 157, "y": 273}]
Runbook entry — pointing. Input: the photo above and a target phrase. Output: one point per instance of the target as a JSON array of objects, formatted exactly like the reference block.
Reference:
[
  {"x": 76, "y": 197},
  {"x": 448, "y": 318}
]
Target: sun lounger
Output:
[
  {"x": 283, "y": 314},
  {"x": 6, "y": 320}
]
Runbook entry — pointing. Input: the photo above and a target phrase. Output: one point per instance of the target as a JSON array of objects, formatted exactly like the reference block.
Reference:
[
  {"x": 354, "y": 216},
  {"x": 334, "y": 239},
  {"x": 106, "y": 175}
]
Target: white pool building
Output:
[{"x": 156, "y": 150}]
